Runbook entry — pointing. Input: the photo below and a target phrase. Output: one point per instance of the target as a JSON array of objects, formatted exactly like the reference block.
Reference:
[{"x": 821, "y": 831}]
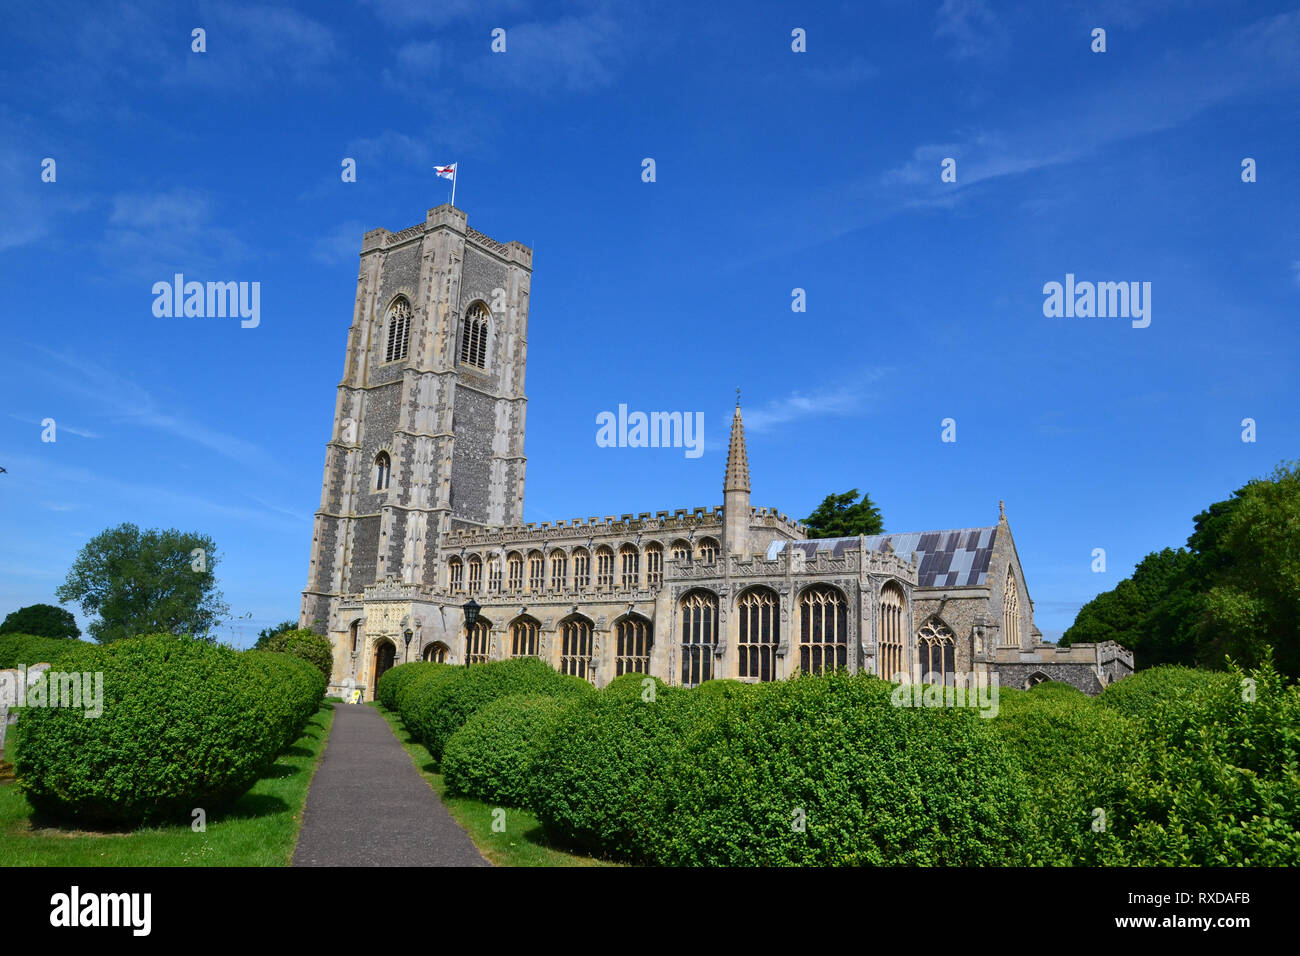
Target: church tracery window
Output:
[
  {"x": 635, "y": 637},
  {"x": 890, "y": 634},
  {"x": 1011, "y": 612},
  {"x": 699, "y": 636},
  {"x": 937, "y": 647},
  {"x": 383, "y": 471},
  {"x": 823, "y": 630},
  {"x": 399, "y": 330},
  {"x": 474, "y": 335},
  {"x": 759, "y": 638}
]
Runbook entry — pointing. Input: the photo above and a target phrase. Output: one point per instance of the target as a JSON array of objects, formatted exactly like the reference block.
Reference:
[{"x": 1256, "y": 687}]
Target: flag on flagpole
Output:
[{"x": 448, "y": 172}]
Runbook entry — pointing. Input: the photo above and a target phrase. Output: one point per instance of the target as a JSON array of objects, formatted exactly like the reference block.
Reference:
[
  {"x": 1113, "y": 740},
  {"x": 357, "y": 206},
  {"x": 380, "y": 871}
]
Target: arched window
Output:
[
  {"x": 581, "y": 568},
  {"x": 355, "y": 631},
  {"x": 681, "y": 551},
  {"x": 635, "y": 637},
  {"x": 1011, "y": 611},
  {"x": 823, "y": 630},
  {"x": 475, "y": 574},
  {"x": 524, "y": 637},
  {"x": 454, "y": 571},
  {"x": 699, "y": 636},
  {"x": 436, "y": 653},
  {"x": 399, "y": 330},
  {"x": 559, "y": 570},
  {"x": 708, "y": 550},
  {"x": 576, "y": 647},
  {"x": 478, "y": 643},
  {"x": 474, "y": 336},
  {"x": 494, "y": 574},
  {"x": 536, "y": 572},
  {"x": 604, "y": 569},
  {"x": 654, "y": 566},
  {"x": 515, "y": 571},
  {"x": 630, "y": 560},
  {"x": 890, "y": 634},
  {"x": 937, "y": 647},
  {"x": 757, "y": 611},
  {"x": 383, "y": 469}
]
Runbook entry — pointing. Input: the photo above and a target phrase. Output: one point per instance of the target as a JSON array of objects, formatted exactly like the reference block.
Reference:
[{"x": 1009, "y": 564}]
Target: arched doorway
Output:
[
  {"x": 385, "y": 653},
  {"x": 436, "y": 652},
  {"x": 1034, "y": 679}
]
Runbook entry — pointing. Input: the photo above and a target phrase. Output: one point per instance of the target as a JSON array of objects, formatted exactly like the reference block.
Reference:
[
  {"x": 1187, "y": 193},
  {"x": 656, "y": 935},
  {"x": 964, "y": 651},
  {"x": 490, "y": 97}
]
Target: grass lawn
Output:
[
  {"x": 259, "y": 829},
  {"x": 522, "y": 843}
]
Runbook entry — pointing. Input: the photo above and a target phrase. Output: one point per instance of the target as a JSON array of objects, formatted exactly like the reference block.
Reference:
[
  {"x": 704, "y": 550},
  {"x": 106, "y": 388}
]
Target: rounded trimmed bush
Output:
[
  {"x": 830, "y": 771},
  {"x": 494, "y": 755},
  {"x": 185, "y": 724},
  {"x": 600, "y": 784},
  {"x": 440, "y": 706},
  {"x": 307, "y": 644},
  {"x": 395, "y": 678}
]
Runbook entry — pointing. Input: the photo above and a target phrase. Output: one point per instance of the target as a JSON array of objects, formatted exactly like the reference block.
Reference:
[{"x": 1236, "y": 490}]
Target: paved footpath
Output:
[{"x": 368, "y": 806}]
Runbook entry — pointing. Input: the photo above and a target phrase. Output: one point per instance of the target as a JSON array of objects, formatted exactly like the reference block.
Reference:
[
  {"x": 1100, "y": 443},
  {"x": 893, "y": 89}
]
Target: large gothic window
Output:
[
  {"x": 634, "y": 638},
  {"x": 383, "y": 470},
  {"x": 576, "y": 647},
  {"x": 494, "y": 575},
  {"x": 581, "y": 568},
  {"x": 604, "y": 569},
  {"x": 454, "y": 575},
  {"x": 1011, "y": 612},
  {"x": 524, "y": 637},
  {"x": 436, "y": 653},
  {"x": 758, "y": 622},
  {"x": 559, "y": 570},
  {"x": 478, "y": 642},
  {"x": 699, "y": 636},
  {"x": 890, "y": 634},
  {"x": 475, "y": 574},
  {"x": 937, "y": 647},
  {"x": 630, "y": 560},
  {"x": 681, "y": 551},
  {"x": 654, "y": 566},
  {"x": 823, "y": 630},
  {"x": 536, "y": 572},
  {"x": 399, "y": 330},
  {"x": 708, "y": 550},
  {"x": 474, "y": 336},
  {"x": 515, "y": 572}
]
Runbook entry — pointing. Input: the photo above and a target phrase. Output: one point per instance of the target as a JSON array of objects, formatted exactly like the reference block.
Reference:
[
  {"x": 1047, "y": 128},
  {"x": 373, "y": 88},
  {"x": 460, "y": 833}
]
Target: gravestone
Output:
[{"x": 11, "y": 685}]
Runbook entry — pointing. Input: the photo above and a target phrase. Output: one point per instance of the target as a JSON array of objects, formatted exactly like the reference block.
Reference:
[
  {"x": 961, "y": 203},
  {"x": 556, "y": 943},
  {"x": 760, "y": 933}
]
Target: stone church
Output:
[{"x": 420, "y": 552}]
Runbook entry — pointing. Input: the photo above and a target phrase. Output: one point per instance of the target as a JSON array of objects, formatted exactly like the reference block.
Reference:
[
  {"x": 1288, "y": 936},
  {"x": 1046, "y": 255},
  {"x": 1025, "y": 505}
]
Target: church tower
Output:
[
  {"x": 429, "y": 418},
  {"x": 735, "y": 491}
]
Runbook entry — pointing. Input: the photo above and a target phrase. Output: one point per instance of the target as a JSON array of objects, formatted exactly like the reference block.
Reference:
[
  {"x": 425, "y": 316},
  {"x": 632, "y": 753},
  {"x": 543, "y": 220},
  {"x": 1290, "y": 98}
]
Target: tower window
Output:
[
  {"x": 473, "y": 336},
  {"x": 399, "y": 331},
  {"x": 383, "y": 469}
]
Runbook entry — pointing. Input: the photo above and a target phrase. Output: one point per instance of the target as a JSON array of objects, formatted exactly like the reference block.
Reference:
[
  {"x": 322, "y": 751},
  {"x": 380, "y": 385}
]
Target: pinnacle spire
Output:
[{"x": 737, "y": 477}]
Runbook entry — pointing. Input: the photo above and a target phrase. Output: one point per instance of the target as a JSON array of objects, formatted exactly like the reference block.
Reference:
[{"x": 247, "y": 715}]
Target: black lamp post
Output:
[{"x": 471, "y": 609}]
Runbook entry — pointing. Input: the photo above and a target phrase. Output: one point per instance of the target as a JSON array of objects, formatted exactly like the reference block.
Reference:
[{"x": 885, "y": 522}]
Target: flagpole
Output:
[{"x": 455, "y": 173}]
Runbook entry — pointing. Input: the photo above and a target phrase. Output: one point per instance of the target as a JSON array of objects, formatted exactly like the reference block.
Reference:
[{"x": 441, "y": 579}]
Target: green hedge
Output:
[
  {"x": 600, "y": 786},
  {"x": 1141, "y": 694},
  {"x": 1073, "y": 754},
  {"x": 1219, "y": 783},
  {"x": 395, "y": 678},
  {"x": 24, "y": 650},
  {"x": 439, "y": 703},
  {"x": 306, "y": 644},
  {"x": 828, "y": 771},
  {"x": 494, "y": 756},
  {"x": 185, "y": 724}
]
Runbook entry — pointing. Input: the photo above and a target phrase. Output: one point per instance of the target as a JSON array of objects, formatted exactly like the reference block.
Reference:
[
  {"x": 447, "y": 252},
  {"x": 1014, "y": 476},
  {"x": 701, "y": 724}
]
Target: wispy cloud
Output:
[
  {"x": 59, "y": 426},
  {"x": 121, "y": 399},
  {"x": 971, "y": 29},
  {"x": 799, "y": 405},
  {"x": 149, "y": 233}
]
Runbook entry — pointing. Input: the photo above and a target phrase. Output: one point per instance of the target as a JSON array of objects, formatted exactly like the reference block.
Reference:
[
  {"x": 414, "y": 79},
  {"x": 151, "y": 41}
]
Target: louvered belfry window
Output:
[
  {"x": 474, "y": 336},
  {"x": 399, "y": 331}
]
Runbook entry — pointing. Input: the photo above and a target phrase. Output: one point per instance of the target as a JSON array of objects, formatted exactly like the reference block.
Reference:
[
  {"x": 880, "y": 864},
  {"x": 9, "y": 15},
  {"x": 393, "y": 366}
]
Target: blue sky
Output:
[{"x": 775, "y": 170}]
